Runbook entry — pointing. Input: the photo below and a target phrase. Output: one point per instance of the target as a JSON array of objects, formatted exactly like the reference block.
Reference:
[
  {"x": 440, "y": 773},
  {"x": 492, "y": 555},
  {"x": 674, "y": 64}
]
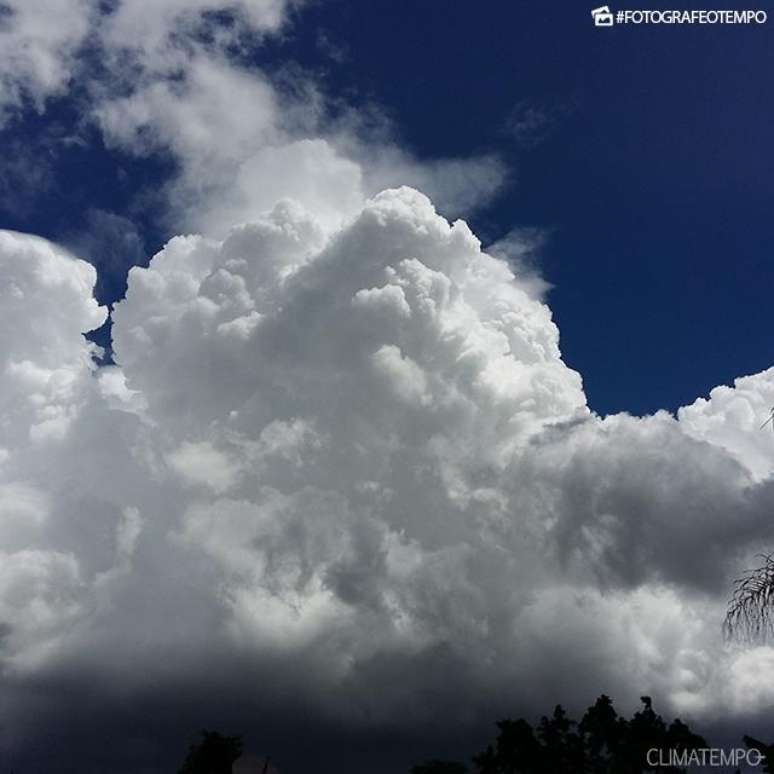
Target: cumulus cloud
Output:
[
  {"x": 345, "y": 471},
  {"x": 731, "y": 418},
  {"x": 47, "y": 362}
]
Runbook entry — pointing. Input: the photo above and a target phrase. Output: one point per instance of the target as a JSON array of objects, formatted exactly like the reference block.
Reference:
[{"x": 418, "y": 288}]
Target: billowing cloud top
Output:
[{"x": 353, "y": 465}]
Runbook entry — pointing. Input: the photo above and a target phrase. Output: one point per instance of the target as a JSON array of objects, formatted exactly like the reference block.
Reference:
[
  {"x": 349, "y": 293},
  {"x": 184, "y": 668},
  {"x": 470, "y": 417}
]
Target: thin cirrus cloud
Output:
[{"x": 339, "y": 470}]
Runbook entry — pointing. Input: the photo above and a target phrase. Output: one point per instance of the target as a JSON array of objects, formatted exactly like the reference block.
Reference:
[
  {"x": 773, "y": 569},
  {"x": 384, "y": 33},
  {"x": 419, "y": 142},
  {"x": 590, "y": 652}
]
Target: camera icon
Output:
[{"x": 602, "y": 16}]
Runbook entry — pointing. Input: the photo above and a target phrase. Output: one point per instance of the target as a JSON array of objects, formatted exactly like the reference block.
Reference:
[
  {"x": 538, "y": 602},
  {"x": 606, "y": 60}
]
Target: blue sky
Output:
[{"x": 641, "y": 154}]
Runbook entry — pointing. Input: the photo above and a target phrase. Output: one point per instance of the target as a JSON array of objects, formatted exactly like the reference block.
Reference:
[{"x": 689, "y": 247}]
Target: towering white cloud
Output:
[
  {"x": 46, "y": 376},
  {"x": 46, "y": 296},
  {"x": 328, "y": 459}
]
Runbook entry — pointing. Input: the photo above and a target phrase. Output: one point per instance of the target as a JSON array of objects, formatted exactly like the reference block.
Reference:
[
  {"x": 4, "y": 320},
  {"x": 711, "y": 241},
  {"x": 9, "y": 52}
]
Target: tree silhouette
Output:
[
  {"x": 749, "y": 613},
  {"x": 214, "y": 754},
  {"x": 603, "y": 732},
  {"x": 602, "y": 743}
]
